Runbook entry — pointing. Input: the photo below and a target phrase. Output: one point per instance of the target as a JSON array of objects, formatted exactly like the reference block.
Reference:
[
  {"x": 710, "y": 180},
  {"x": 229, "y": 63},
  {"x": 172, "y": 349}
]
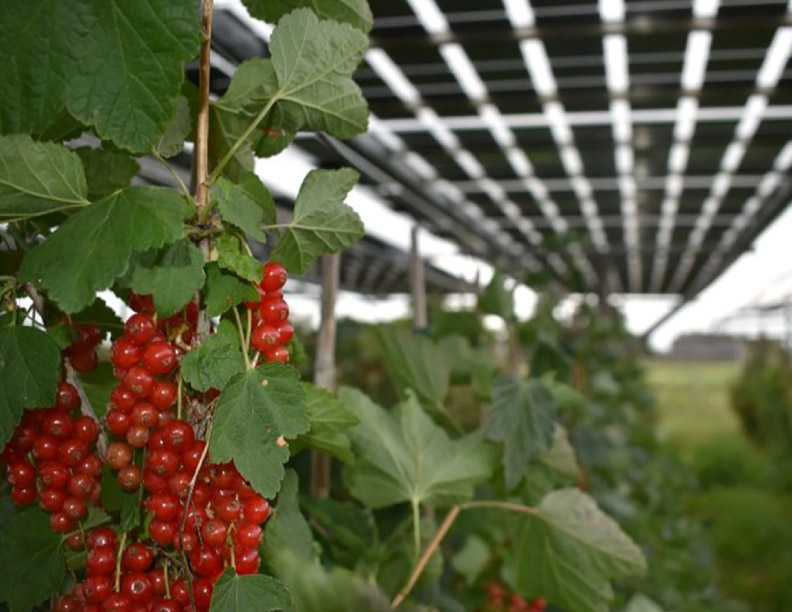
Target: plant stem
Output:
[
  {"x": 121, "y": 547},
  {"x": 427, "y": 554},
  {"x": 173, "y": 172},
  {"x": 501, "y": 505},
  {"x": 242, "y": 342},
  {"x": 202, "y": 123},
  {"x": 416, "y": 512},
  {"x": 241, "y": 140}
]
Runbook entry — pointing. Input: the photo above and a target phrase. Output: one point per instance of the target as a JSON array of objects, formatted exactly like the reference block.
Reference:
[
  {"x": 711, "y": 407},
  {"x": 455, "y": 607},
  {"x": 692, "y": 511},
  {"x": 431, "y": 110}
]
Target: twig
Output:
[
  {"x": 501, "y": 505},
  {"x": 173, "y": 172},
  {"x": 427, "y": 554},
  {"x": 242, "y": 338},
  {"x": 202, "y": 123}
]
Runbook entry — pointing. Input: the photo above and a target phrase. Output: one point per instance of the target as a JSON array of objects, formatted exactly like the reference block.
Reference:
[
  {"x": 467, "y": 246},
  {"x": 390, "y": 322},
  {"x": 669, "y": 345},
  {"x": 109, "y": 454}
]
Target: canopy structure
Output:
[{"x": 656, "y": 133}]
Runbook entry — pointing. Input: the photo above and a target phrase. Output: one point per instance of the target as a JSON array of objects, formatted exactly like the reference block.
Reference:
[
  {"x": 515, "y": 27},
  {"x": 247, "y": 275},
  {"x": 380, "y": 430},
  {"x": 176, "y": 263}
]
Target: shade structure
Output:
[{"x": 632, "y": 146}]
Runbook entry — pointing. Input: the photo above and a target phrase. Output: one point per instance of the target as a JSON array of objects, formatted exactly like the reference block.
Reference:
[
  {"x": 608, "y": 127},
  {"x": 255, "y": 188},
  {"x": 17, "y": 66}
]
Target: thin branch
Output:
[
  {"x": 173, "y": 172},
  {"x": 202, "y": 123},
  {"x": 427, "y": 554},
  {"x": 242, "y": 338},
  {"x": 501, "y": 505}
]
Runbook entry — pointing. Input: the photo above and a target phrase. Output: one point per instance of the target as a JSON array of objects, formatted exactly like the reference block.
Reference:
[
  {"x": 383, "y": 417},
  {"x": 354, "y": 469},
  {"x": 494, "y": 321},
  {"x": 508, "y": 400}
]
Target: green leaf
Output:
[
  {"x": 225, "y": 128},
  {"x": 117, "y": 65},
  {"x": 37, "y": 178},
  {"x": 641, "y": 603},
  {"x": 215, "y": 362},
  {"x": 100, "y": 315},
  {"x": 330, "y": 419},
  {"x": 106, "y": 171},
  {"x": 171, "y": 274},
  {"x": 115, "y": 499},
  {"x": 248, "y": 208},
  {"x": 224, "y": 290},
  {"x": 29, "y": 374},
  {"x": 522, "y": 415},
  {"x": 254, "y": 409},
  {"x": 316, "y": 589},
  {"x": 354, "y": 12},
  {"x": 98, "y": 384},
  {"x": 348, "y": 527},
  {"x": 252, "y": 593},
  {"x": 496, "y": 299},
  {"x": 253, "y": 83},
  {"x": 171, "y": 142},
  {"x": 94, "y": 246},
  {"x": 415, "y": 362},
  {"x": 560, "y": 457},
  {"x": 404, "y": 456},
  {"x": 231, "y": 256},
  {"x": 32, "y": 561},
  {"x": 287, "y": 528},
  {"x": 571, "y": 550},
  {"x": 322, "y": 223},
  {"x": 314, "y": 61},
  {"x": 472, "y": 558}
]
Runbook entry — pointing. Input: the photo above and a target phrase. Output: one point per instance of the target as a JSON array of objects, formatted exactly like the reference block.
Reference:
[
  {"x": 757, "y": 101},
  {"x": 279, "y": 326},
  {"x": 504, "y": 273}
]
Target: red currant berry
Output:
[
  {"x": 137, "y": 557},
  {"x": 187, "y": 541},
  {"x": 163, "y": 395},
  {"x": 248, "y": 535},
  {"x": 205, "y": 561},
  {"x": 84, "y": 361},
  {"x": 59, "y": 425},
  {"x": 86, "y": 429},
  {"x": 101, "y": 537},
  {"x": 201, "y": 494},
  {"x": 23, "y": 496},
  {"x": 214, "y": 532},
  {"x": 125, "y": 353},
  {"x": 137, "y": 436},
  {"x": 116, "y": 602},
  {"x": 286, "y": 332},
  {"x": 265, "y": 337},
  {"x": 80, "y": 485},
  {"x": 163, "y": 506},
  {"x": 67, "y": 603},
  {"x": 61, "y": 522},
  {"x": 54, "y": 474},
  {"x": 274, "y": 311},
  {"x": 123, "y": 398},
  {"x": 163, "y": 462},
  {"x": 192, "y": 456},
  {"x": 118, "y": 455},
  {"x": 165, "y": 605},
  {"x": 45, "y": 447},
  {"x": 162, "y": 532},
  {"x": 72, "y": 451},
  {"x": 158, "y": 581},
  {"x": 139, "y": 380},
  {"x": 101, "y": 561},
  {"x": 202, "y": 592},
  {"x": 25, "y": 436},
  {"x": 75, "y": 541},
  {"x": 137, "y": 587},
  {"x": 145, "y": 414},
  {"x": 223, "y": 476},
  {"x": 230, "y": 510},
  {"x": 180, "y": 592},
  {"x": 140, "y": 328},
  {"x": 243, "y": 488},
  {"x": 279, "y": 353},
  {"x": 88, "y": 336},
  {"x": 246, "y": 561},
  {"x": 275, "y": 277},
  {"x": 154, "y": 483},
  {"x": 159, "y": 357},
  {"x": 179, "y": 436},
  {"x": 179, "y": 485},
  {"x": 118, "y": 422},
  {"x": 97, "y": 588},
  {"x": 142, "y": 303},
  {"x": 67, "y": 398},
  {"x": 257, "y": 509},
  {"x": 129, "y": 478},
  {"x": 22, "y": 474},
  {"x": 74, "y": 508},
  {"x": 91, "y": 465},
  {"x": 52, "y": 499}
]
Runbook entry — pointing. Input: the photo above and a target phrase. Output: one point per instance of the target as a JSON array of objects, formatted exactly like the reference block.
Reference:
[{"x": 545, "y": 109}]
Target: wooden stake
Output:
[
  {"x": 324, "y": 372},
  {"x": 417, "y": 283}
]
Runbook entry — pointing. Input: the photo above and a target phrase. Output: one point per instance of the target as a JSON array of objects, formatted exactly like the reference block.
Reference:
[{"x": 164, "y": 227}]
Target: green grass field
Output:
[{"x": 693, "y": 399}]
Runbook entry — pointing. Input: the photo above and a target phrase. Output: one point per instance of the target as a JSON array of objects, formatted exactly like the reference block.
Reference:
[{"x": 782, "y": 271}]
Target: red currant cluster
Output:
[
  {"x": 82, "y": 352},
  {"x": 50, "y": 457},
  {"x": 129, "y": 583},
  {"x": 273, "y": 332},
  {"x": 501, "y": 601}
]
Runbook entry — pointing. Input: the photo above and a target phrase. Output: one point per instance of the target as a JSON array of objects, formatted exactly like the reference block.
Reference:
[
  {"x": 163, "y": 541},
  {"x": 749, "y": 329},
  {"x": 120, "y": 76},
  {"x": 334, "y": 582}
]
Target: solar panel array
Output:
[{"x": 656, "y": 132}]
